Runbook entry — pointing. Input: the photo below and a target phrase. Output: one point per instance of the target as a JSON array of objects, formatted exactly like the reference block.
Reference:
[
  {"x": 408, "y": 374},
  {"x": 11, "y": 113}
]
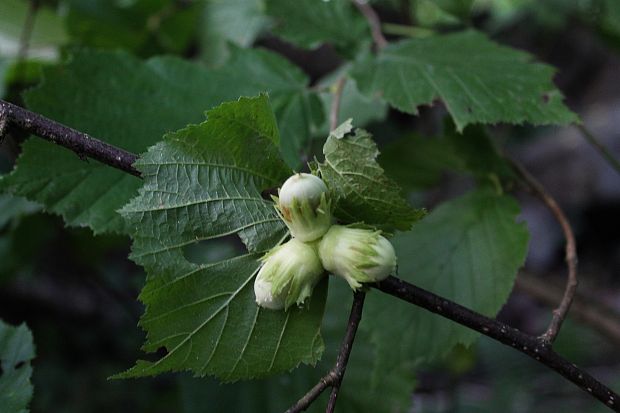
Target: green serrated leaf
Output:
[
  {"x": 309, "y": 23},
  {"x": 361, "y": 191},
  {"x": 467, "y": 250},
  {"x": 16, "y": 352},
  {"x": 478, "y": 80},
  {"x": 203, "y": 182},
  {"x": 207, "y": 320},
  {"x": 276, "y": 394},
  {"x": 131, "y": 104},
  {"x": 298, "y": 110}
]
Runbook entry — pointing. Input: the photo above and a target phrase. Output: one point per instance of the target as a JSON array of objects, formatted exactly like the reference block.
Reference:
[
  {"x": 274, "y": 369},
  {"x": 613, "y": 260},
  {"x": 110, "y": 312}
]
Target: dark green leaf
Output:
[
  {"x": 276, "y": 394},
  {"x": 203, "y": 182},
  {"x": 12, "y": 207},
  {"x": 131, "y": 104},
  {"x": 479, "y": 154},
  {"x": 467, "y": 250},
  {"x": 478, "y": 80},
  {"x": 440, "y": 12},
  {"x": 298, "y": 110},
  {"x": 16, "y": 352},
  {"x": 146, "y": 27},
  {"x": 308, "y": 23},
  {"x": 418, "y": 162},
  {"x": 235, "y": 21}
]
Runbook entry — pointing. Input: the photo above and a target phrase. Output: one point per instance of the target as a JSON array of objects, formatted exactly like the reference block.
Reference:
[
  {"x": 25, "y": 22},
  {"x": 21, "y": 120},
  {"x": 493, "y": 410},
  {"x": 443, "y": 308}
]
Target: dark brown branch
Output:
[
  {"x": 600, "y": 148},
  {"x": 559, "y": 314},
  {"x": 3, "y": 122},
  {"x": 537, "y": 348},
  {"x": 373, "y": 21},
  {"x": 80, "y": 143},
  {"x": 345, "y": 348},
  {"x": 589, "y": 311},
  {"x": 334, "y": 378},
  {"x": 335, "y": 109}
]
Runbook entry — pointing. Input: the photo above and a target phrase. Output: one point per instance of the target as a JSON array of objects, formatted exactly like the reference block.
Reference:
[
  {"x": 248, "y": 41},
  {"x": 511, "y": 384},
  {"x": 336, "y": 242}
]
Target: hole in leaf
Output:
[
  {"x": 213, "y": 250},
  {"x": 156, "y": 355},
  {"x": 19, "y": 365},
  {"x": 267, "y": 193},
  {"x": 161, "y": 353}
]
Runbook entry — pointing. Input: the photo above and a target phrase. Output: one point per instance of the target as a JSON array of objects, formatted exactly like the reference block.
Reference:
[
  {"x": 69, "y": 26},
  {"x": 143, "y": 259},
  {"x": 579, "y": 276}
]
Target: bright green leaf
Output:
[
  {"x": 467, "y": 250},
  {"x": 203, "y": 182},
  {"x": 309, "y": 23},
  {"x": 361, "y": 190},
  {"x": 16, "y": 352},
  {"x": 478, "y": 80}
]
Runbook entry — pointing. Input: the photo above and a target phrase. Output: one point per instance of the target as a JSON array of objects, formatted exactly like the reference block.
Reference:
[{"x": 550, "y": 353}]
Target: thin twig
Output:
[
  {"x": 335, "y": 108},
  {"x": 24, "y": 38},
  {"x": 586, "y": 309},
  {"x": 559, "y": 314},
  {"x": 334, "y": 377},
  {"x": 345, "y": 348},
  {"x": 80, "y": 143},
  {"x": 605, "y": 153},
  {"x": 373, "y": 21},
  {"x": 537, "y": 348}
]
